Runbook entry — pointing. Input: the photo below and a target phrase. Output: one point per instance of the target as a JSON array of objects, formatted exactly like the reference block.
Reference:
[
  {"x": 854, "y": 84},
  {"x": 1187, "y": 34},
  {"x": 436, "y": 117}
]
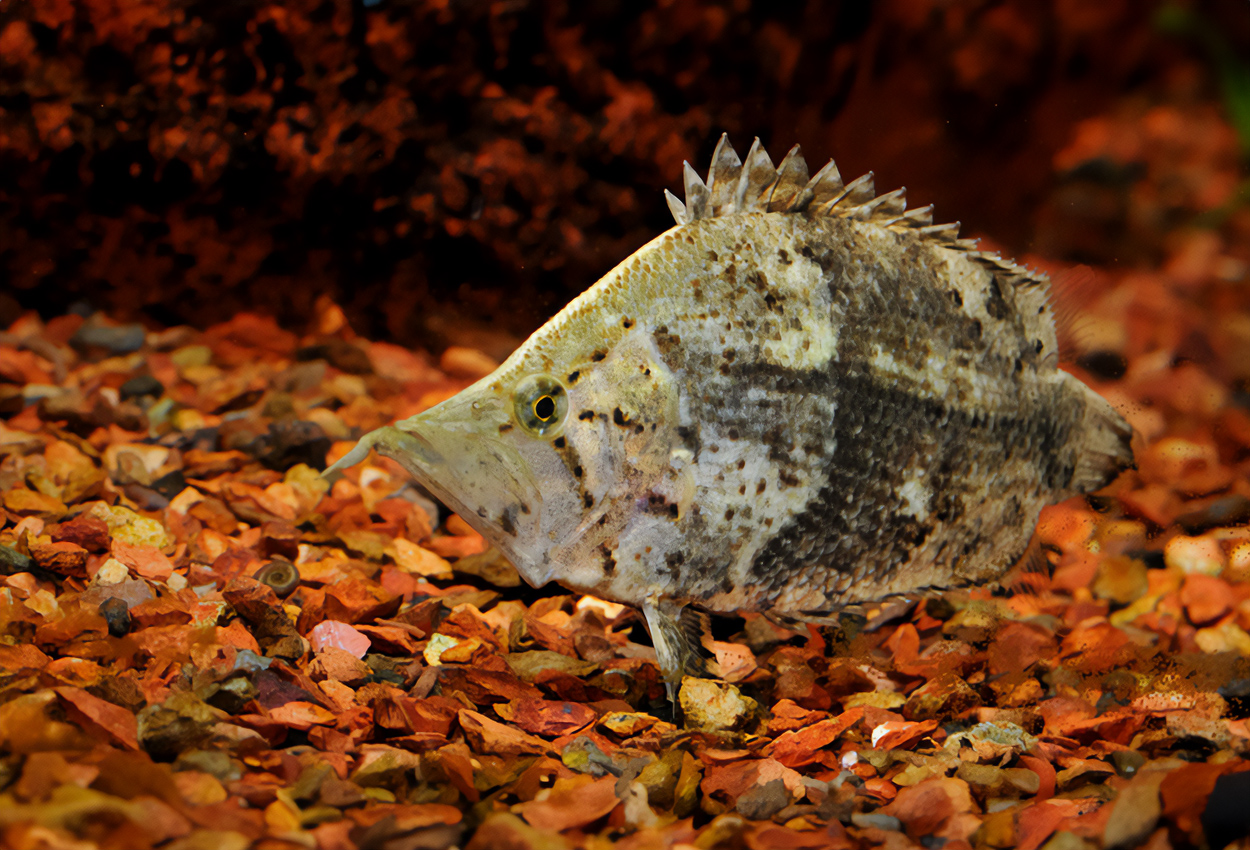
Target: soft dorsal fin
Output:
[
  {"x": 1070, "y": 289},
  {"x": 755, "y": 185}
]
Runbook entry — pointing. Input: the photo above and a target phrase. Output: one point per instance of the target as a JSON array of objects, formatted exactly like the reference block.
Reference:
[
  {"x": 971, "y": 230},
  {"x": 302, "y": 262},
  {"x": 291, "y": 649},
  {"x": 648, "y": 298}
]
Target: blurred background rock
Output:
[{"x": 453, "y": 171}]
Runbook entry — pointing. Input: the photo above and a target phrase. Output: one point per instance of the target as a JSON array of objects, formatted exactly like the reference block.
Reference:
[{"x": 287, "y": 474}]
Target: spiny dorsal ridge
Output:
[
  {"x": 756, "y": 185},
  {"x": 722, "y": 178},
  {"x": 1014, "y": 272}
]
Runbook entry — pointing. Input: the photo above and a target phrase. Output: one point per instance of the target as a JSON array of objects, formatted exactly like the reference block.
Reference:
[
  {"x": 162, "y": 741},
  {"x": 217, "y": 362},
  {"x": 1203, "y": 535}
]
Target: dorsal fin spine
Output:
[
  {"x": 696, "y": 194},
  {"x": 791, "y": 178},
  {"x": 755, "y": 185},
  {"x": 817, "y": 185},
  {"x": 676, "y": 207},
  {"x": 758, "y": 172},
  {"x": 722, "y": 177}
]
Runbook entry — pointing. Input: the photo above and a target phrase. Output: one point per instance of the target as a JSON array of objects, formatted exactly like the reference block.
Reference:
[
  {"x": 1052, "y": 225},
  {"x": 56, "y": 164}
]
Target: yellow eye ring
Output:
[
  {"x": 544, "y": 408},
  {"x": 540, "y": 405}
]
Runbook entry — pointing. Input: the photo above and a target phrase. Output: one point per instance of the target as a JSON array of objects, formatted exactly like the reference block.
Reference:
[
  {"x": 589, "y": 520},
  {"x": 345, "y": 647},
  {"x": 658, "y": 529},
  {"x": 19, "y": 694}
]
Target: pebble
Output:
[
  {"x": 112, "y": 571},
  {"x": 1229, "y": 510},
  {"x": 1194, "y": 555},
  {"x": 13, "y": 561},
  {"x": 289, "y": 443},
  {"x": 340, "y": 354},
  {"x": 712, "y": 706},
  {"x": 763, "y": 801},
  {"x": 868, "y": 820},
  {"x": 1120, "y": 579},
  {"x": 142, "y": 385},
  {"x": 1128, "y": 762},
  {"x": 119, "y": 339},
  {"x": 332, "y": 633},
  {"x": 117, "y": 614},
  {"x": 192, "y": 355}
]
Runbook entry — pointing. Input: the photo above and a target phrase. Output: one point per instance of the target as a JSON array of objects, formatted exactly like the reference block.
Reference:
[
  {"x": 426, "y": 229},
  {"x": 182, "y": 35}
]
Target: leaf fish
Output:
[{"x": 800, "y": 397}]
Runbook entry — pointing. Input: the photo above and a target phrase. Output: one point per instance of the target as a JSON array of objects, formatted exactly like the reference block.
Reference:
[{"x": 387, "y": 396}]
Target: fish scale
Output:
[{"x": 800, "y": 397}]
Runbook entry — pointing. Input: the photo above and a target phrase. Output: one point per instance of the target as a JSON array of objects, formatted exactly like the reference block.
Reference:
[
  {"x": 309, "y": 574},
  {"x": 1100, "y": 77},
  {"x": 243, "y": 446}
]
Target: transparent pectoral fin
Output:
[{"x": 677, "y": 634}]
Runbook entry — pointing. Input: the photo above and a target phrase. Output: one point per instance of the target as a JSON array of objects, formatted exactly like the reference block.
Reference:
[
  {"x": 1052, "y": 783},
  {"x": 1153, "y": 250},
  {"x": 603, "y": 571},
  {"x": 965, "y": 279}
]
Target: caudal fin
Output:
[{"x": 1105, "y": 445}]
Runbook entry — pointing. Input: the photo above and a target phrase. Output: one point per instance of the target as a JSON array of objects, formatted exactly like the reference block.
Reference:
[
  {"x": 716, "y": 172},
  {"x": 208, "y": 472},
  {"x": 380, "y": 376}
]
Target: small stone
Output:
[
  {"x": 626, "y": 724},
  {"x": 332, "y": 633},
  {"x": 291, "y": 442},
  {"x": 940, "y": 698},
  {"x": 437, "y": 645},
  {"x": 1136, "y": 811},
  {"x": 112, "y": 571},
  {"x": 660, "y": 778},
  {"x": 338, "y": 665},
  {"x": 13, "y": 561},
  {"x": 871, "y": 820},
  {"x": 89, "y": 532},
  {"x": 1206, "y": 598},
  {"x": 132, "y": 591},
  {"x": 411, "y": 558},
  {"x": 142, "y": 385},
  {"x": 117, "y": 614},
  {"x": 271, "y": 624},
  {"x": 281, "y": 538},
  {"x": 1194, "y": 555},
  {"x": 1226, "y": 511},
  {"x": 763, "y": 801},
  {"x": 117, "y": 339},
  {"x": 192, "y": 355},
  {"x": 1127, "y": 762},
  {"x": 1120, "y": 579},
  {"x": 714, "y": 707},
  {"x": 129, "y": 527},
  {"x": 340, "y": 354},
  {"x": 67, "y": 559},
  {"x": 33, "y": 503},
  {"x": 995, "y": 781}
]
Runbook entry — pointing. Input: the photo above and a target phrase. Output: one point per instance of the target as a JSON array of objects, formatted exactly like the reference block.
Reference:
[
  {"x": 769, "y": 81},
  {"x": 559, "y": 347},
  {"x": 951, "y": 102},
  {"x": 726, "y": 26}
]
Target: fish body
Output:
[{"x": 798, "y": 398}]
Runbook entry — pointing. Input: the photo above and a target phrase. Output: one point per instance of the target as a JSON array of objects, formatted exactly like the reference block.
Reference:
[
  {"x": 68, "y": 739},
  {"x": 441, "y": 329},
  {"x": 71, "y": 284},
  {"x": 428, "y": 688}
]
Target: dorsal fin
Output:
[
  {"x": 1070, "y": 291},
  {"x": 755, "y": 185}
]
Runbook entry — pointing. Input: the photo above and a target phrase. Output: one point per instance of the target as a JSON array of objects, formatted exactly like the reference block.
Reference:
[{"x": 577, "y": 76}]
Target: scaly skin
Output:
[{"x": 786, "y": 403}]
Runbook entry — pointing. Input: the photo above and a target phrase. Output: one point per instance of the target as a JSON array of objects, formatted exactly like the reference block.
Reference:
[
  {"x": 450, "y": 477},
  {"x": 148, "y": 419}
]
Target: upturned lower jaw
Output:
[{"x": 419, "y": 448}]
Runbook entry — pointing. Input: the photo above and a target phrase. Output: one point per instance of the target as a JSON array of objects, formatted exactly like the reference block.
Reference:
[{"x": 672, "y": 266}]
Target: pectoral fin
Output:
[{"x": 677, "y": 633}]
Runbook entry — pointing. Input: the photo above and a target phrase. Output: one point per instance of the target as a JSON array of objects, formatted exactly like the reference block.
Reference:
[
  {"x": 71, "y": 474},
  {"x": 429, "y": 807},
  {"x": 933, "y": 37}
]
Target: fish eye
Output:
[
  {"x": 545, "y": 408},
  {"x": 540, "y": 405}
]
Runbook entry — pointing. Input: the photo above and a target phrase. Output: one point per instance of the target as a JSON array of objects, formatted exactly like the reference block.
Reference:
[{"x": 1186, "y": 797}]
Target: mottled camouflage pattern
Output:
[{"x": 796, "y": 399}]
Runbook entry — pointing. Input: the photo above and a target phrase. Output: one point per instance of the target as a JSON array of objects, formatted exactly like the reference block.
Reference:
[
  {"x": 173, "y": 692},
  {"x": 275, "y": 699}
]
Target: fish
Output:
[{"x": 802, "y": 396}]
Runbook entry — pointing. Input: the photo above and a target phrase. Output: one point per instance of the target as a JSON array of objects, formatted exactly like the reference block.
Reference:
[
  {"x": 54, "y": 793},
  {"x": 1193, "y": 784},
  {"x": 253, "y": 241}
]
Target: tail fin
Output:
[{"x": 1105, "y": 445}]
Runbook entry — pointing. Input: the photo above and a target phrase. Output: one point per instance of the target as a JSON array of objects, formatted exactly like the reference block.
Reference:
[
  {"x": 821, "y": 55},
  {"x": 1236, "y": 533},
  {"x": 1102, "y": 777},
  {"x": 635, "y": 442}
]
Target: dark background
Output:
[{"x": 456, "y": 170}]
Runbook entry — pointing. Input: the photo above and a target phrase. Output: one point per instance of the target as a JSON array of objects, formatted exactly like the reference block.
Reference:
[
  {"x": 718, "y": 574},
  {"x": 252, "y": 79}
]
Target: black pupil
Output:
[{"x": 545, "y": 408}]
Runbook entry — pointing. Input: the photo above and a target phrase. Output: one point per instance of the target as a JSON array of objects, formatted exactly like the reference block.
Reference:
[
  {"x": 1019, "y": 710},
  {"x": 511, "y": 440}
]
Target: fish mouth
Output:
[{"x": 485, "y": 481}]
